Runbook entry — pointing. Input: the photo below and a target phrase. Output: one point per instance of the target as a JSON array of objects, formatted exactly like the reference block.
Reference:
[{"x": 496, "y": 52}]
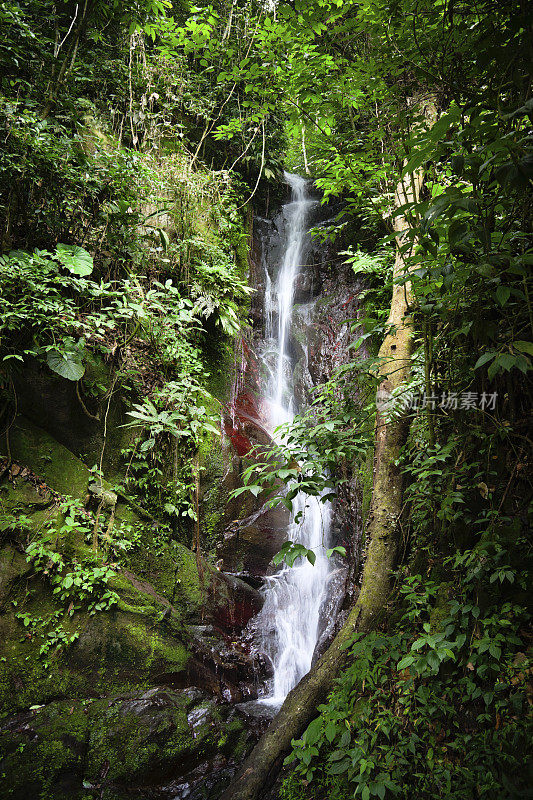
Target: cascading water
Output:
[{"x": 287, "y": 626}]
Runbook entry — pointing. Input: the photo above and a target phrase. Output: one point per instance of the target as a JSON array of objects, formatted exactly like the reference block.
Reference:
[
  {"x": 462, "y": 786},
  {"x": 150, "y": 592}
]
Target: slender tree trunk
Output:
[
  {"x": 70, "y": 56},
  {"x": 260, "y": 769}
]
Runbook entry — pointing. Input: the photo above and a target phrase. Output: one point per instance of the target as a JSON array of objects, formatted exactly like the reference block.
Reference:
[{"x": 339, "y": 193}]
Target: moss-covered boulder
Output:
[
  {"x": 145, "y": 638},
  {"x": 95, "y": 702},
  {"x": 112, "y": 748}
]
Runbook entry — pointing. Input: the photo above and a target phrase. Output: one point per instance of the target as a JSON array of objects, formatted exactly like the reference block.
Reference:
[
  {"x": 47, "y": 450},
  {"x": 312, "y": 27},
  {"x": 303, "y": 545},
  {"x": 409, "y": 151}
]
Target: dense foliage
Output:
[
  {"x": 123, "y": 272},
  {"x": 447, "y": 675},
  {"x": 133, "y": 135}
]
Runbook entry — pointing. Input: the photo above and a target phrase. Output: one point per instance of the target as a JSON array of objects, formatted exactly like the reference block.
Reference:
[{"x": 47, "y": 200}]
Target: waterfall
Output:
[{"x": 288, "y": 624}]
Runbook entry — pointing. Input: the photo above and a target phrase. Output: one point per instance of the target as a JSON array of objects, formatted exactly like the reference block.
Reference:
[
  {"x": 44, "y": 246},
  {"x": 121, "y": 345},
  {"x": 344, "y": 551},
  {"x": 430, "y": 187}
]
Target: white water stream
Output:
[{"x": 288, "y": 624}]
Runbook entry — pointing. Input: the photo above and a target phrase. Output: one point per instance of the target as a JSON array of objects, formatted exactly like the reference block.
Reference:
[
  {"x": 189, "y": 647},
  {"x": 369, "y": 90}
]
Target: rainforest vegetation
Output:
[{"x": 141, "y": 143}]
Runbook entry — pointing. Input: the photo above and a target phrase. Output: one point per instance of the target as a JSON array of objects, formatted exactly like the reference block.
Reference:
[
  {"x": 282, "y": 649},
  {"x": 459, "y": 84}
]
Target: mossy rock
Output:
[
  {"x": 143, "y": 635},
  {"x": 146, "y": 640},
  {"x": 168, "y": 565},
  {"x": 43, "y": 751},
  {"x": 52, "y": 403},
  {"x": 116, "y": 745},
  {"x": 128, "y": 645},
  {"x": 141, "y": 641},
  {"x": 150, "y": 735},
  {"x": 51, "y": 461},
  {"x": 13, "y": 566},
  {"x": 59, "y": 470},
  {"x": 220, "y": 474}
]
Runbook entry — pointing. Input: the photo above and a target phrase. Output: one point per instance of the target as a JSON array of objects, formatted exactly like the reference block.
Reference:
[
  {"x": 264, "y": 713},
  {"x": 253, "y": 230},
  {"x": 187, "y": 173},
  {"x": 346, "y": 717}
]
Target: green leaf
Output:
[
  {"x": 458, "y": 232},
  {"x": 312, "y": 732},
  {"x": 76, "y": 259},
  {"x": 483, "y": 359},
  {"x": 338, "y": 549},
  {"x": 524, "y": 347},
  {"x": 415, "y": 161},
  {"x": 458, "y": 163},
  {"x": 506, "y": 361},
  {"x": 338, "y": 769},
  {"x": 68, "y": 365},
  {"x": 211, "y": 428},
  {"x": 495, "y": 651},
  {"x": 331, "y": 730},
  {"x": 405, "y": 662},
  {"x": 502, "y": 294},
  {"x": 433, "y": 659},
  {"x": 381, "y": 789},
  {"x": 283, "y": 474}
]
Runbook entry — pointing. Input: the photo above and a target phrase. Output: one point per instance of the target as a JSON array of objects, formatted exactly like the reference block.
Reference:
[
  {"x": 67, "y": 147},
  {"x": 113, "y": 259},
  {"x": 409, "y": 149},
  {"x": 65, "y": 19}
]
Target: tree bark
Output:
[{"x": 260, "y": 769}]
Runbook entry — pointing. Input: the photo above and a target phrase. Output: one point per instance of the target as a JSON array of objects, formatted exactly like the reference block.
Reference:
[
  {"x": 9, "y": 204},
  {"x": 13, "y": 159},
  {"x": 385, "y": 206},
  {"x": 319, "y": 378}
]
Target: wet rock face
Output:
[
  {"x": 330, "y": 332},
  {"x": 250, "y": 544},
  {"x": 237, "y": 601},
  {"x": 330, "y": 610},
  {"x": 221, "y": 665}
]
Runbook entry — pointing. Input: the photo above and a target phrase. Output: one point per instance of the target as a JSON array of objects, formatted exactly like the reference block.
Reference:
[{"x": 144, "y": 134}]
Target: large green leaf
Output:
[
  {"x": 69, "y": 365},
  {"x": 76, "y": 259},
  {"x": 483, "y": 359},
  {"x": 502, "y": 294},
  {"x": 524, "y": 347}
]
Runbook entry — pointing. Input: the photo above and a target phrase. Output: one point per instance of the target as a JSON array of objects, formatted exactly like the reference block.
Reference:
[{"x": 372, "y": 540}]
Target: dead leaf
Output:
[{"x": 483, "y": 490}]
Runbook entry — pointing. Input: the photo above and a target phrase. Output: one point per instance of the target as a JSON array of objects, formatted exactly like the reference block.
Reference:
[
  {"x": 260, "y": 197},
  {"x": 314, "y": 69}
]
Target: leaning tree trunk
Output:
[{"x": 264, "y": 762}]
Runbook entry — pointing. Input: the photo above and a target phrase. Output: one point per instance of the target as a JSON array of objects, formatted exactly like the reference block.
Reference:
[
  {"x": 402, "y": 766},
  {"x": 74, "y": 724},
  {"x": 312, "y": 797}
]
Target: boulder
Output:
[
  {"x": 250, "y": 544},
  {"x": 126, "y": 745},
  {"x": 138, "y": 702}
]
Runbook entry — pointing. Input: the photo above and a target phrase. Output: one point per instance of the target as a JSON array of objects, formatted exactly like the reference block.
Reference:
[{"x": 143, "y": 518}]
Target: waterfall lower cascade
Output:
[{"x": 288, "y": 624}]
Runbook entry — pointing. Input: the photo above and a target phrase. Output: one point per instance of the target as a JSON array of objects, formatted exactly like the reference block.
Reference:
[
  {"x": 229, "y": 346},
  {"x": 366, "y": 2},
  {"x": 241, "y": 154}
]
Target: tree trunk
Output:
[{"x": 260, "y": 769}]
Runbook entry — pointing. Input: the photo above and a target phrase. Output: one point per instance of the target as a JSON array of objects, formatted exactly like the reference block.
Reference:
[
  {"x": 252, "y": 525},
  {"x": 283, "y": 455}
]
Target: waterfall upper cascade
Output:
[{"x": 288, "y": 625}]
